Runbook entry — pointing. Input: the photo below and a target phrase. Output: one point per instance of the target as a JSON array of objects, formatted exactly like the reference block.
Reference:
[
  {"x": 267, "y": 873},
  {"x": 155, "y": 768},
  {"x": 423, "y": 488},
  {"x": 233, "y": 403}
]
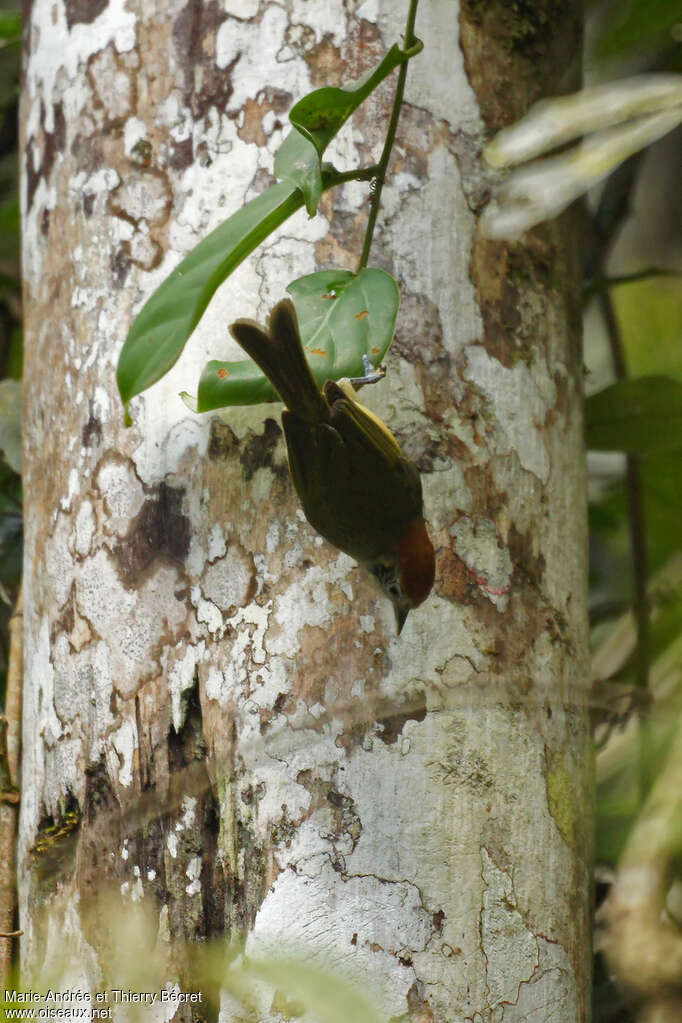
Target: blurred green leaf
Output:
[
  {"x": 662, "y": 479},
  {"x": 341, "y": 316},
  {"x": 14, "y": 363},
  {"x": 10, "y": 25},
  {"x": 10, "y": 422},
  {"x": 650, "y": 318},
  {"x": 635, "y": 25},
  {"x": 641, "y": 416},
  {"x": 327, "y": 996},
  {"x": 10, "y": 229}
]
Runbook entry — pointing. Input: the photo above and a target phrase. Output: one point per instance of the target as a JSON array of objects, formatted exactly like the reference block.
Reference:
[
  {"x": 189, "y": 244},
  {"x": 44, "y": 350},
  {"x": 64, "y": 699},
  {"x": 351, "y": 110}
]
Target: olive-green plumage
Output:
[{"x": 357, "y": 488}]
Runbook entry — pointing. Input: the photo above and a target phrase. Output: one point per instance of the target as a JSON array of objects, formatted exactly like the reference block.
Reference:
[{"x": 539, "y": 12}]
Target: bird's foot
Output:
[{"x": 372, "y": 374}]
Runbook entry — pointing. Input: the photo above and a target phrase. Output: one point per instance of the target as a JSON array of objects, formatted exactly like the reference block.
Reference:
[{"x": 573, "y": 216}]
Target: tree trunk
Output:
[{"x": 218, "y": 716}]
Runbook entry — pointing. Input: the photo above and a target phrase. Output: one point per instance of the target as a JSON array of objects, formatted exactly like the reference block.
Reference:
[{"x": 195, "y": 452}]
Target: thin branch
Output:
[
  {"x": 598, "y": 284},
  {"x": 380, "y": 176},
  {"x": 357, "y": 174}
]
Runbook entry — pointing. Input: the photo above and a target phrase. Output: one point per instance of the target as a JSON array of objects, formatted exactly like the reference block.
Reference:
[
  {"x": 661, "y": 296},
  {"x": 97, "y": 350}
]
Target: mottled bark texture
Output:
[{"x": 218, "y": 716}]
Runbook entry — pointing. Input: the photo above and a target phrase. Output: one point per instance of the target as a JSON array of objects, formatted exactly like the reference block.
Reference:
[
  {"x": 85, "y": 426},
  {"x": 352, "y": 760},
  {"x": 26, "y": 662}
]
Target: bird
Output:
[{"x": 357, "y": 488}]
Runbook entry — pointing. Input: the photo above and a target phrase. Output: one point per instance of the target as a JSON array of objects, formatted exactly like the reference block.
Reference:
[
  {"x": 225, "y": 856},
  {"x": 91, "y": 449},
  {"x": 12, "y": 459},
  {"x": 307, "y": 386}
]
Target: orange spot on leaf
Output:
[
  {"x": 317, "y": 351},
  {"x": 222, "y": 373},
  {"x": 375, "y": 351},
  {"x": 361, "y": 316}
]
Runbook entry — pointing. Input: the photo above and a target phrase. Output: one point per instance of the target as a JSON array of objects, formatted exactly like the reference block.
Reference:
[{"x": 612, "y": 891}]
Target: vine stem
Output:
[{"x": 380, "y": 177}]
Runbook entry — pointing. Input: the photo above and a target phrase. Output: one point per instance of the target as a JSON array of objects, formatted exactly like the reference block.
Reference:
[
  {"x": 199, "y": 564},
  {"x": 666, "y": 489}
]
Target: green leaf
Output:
[
  {"x": 337, "y": 331},
  {"x": 341, "y": 316},
  {"x": 161, "y": 329},
  {"x": 231, "y": 383},
  {"x": 298, "y": 163},
  {"x": 318, "y": 117},
  {"x": 635, "y": 26},
  {"x": 320, "y": 114},
  {"x": 10, "y": 25},
  {"x": 329, "y": 997},
  {"x": 641, "y": 416},
  {"x": 10, "y": 422}
]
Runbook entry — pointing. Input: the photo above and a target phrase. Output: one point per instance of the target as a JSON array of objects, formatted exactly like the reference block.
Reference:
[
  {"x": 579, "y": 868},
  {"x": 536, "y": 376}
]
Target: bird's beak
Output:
[{"x": 401, "y": 613}]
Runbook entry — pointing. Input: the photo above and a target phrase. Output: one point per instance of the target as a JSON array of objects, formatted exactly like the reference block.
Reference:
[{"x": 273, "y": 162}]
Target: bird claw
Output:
[{"x": 372, "y": 374}]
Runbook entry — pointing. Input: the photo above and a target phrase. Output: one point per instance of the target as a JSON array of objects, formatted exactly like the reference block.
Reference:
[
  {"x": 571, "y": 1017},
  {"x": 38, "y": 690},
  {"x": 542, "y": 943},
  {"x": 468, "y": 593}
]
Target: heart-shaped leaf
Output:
[
  {"x": 322, "y": 113},
  {"x": 318, "y": 117},
  {"x": 341, "y": 316}
]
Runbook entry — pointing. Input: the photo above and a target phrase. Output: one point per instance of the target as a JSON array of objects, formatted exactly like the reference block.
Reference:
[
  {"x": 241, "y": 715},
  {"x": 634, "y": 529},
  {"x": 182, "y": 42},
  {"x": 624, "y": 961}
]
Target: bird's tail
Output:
[{"x": 279, "y": 353}]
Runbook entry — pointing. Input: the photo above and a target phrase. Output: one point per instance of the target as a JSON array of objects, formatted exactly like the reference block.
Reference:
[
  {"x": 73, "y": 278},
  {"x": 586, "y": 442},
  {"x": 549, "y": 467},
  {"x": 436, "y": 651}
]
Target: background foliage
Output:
[{"x": 10, "y": 331}]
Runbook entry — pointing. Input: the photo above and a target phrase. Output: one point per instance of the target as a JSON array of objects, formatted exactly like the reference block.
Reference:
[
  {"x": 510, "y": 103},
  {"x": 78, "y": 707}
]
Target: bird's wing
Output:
[
  {"x": 312, "y": 451},
  {"x": 358, "y": 426}
]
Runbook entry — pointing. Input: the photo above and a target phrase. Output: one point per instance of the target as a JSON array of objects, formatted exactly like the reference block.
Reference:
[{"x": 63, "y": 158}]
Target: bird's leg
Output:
[{"x": 372, "y": 375}]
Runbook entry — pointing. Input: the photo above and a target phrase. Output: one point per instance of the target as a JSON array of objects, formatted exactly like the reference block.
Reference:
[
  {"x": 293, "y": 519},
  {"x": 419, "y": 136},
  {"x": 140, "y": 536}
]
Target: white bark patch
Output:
[
  {"x": 142, "y": 196},
  {"x": 480, "y": 548},
  {"x": 365, "y": 925},
  {"x": 193, "y": 872},
  {"x": 249, "y": 624},
  {"x": 189, "y": 809},
  {"x": 207, "y": 613},
  {"x": 216, "y": 542},
  {"x": 226, "y": 582},
  {"x": 520, "y": 399},
  {"x": 123, "y": 495},
  {"x": 161, "y": 449},
  {"x": 54, "y": 75},
  {"x": 441, "y": 258},
  {"x": 307, "y": 601},
  {"x": 437, "y": 78},
  {"x": 58, "y": 556},
  {"x": 125, "y": 742},
  {"x": 550, "y": 994},
  {"x": 257, "y": 45},
  {"x": 85, "y": 527},
  {"x": 134, "y": 131},
  {"x": 60, "y": 50},
  {"x": 242, "y": 9},
  {"x": 49, "y": 727},
  {"x": 180, "y": 671},
  {"x": 510, "y": 948},
  {"x": 73, "y": 490},
  {"x": 112, "y": 84},
  {"x": 130, "y": 619}
]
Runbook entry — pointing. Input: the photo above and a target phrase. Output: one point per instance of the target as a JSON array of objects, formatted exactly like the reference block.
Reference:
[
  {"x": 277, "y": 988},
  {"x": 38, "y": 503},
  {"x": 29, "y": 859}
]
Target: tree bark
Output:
[{"x": 219, "y": 717}]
